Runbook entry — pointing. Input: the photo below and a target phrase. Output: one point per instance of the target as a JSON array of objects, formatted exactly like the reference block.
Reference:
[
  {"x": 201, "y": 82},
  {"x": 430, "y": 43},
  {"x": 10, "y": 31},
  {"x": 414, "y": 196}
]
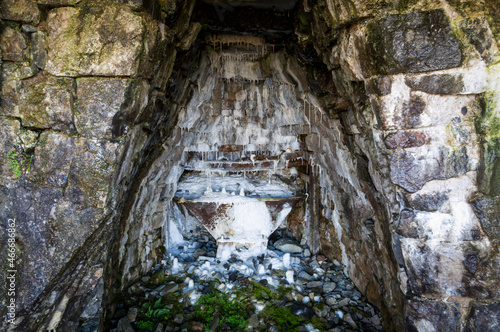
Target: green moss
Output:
[
  {"x": 285, "y": 320},
  {"x": 232, "y": 311},
  {"x": 319, "y": 324}
]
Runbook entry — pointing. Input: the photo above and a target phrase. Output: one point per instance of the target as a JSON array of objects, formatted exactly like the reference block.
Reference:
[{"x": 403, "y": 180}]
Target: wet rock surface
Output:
[{"x": 192, "y": 291}]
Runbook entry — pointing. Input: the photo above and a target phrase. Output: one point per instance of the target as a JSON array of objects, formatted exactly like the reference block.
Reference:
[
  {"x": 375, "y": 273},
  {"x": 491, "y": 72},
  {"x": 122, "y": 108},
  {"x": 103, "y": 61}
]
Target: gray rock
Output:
[
  {"x": 306, "y": 276},
  {"x": 12, "y": 44},
  {"x": 159, "y": 328},
  {"x": 39, "y": 49},
  {"x": 132, "y": 314},
  {"x": 288, "y": 246},
  {"x": 301, "y": 311},
  {"x": 331, "y": 301},
  {"x": 320, "y": 310},
  {"x": 20, "y": 10},
  {"x": 438, "y": 315},
  {"x": 328, "y": 287},
  {"x": 307, "y": 253},
  {"x": 314, "y": 284},
  {"x": 375, "y": 320},
  {"x": 101, "y": 111},
  {"x": 178, "y": 319},
  {"x": 124, "y": 325},
  {"x": 414, "y": 42}
]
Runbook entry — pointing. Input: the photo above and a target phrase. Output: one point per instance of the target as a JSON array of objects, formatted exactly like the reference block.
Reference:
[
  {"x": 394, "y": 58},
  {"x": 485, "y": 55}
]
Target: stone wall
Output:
[
  {"x": 78, "y": 79},
  {"x": 426, "y": 139}
]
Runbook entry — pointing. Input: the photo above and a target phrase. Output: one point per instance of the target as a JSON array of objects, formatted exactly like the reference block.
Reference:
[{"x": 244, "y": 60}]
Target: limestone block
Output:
[
  {"x": 91, "y": 172},
  {"x": 106, "y": 40},
  {"x": 20, "y": 10},
  {"x": 48, "y": 104},
  {"x": 432, "y": 315},
  {"x": 9, "y": 130},
  {"x": 39, "y": 49},
  {"x": 412, "y": 43},
  {"x": 484, "y": 318},
  {"x": 13, "y": 44},
  {"x": 106, "y": 106}
]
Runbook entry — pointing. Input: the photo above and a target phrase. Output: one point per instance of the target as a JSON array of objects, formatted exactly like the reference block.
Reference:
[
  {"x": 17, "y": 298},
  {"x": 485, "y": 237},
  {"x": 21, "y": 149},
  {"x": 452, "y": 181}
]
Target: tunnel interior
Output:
[{"x": 256, "y": 127}]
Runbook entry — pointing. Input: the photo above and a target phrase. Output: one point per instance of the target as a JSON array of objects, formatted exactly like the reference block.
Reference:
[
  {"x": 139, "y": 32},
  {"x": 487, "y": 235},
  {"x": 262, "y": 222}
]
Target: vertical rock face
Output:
[{"x": 396, "y": 102}]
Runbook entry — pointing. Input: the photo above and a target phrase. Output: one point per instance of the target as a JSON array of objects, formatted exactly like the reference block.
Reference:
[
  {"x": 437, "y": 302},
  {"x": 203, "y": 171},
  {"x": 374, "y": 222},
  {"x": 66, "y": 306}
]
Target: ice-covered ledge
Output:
[{"x": 240, "y": 224}]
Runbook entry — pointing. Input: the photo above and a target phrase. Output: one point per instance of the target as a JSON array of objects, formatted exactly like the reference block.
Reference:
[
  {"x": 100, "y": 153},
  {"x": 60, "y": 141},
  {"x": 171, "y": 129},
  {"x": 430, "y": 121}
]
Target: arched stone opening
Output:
[{"x": 391, "y": 106}]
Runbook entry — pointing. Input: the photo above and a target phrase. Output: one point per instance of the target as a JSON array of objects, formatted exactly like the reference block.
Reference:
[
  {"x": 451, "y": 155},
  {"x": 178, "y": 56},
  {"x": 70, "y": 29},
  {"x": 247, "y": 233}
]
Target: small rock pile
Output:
[{"x": 287, "y": 290}]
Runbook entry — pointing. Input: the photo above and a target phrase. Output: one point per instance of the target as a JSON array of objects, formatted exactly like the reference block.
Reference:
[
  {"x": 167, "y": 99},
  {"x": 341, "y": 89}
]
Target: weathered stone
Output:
[
  {"x": 132, "y": 314},
  {"x": 58, "y": 2},
  {"x": 48, "y": 104},
  {"x": 107, "y": 106},
  {"x": 429, "y": 203},
  {"x": 444, "y": 84},
  {"x": 287, "y": 245},
  {"x": 20, "y": 10},
  {"x": 39, "y": 49},
  {"x": 12, "y": 44},
  {"x": 411, "y": 170},
  {"x": 432, "y": 316},
  {"x": 378, "y": 85},
  {"x": 483, "y": 318},
  {"x": 91, "y": 172},
  {"x": 108, "y": 41},
  {"x": 328, "y": 287},
  {"x": 487, "y": 210},
  {"x": 414, "y": 42},
  {"x": 190, "y": 36},
  {"x": 53, "y": 158},
  {"x": 301, "y": 311},
  {"x": 9, "y": 130},
  {"x": 407, "y": 225},
  {"x": 405, "y": 139},
  {"x": 124, "y": 325}
]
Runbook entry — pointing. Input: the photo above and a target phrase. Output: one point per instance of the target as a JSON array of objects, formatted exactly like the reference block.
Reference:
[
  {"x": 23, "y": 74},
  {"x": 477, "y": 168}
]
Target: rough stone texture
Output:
[
  {"x": 109, "y": 41},
  {"x": 8, "y": 137},
  {"x": 20, "y": 10},
  {"x": 102, "y": 106},
  {"x": 54, "y": 220},
  {"x": 39, "y": 49},
  {"x": 58, "y": 2},
  {"x": 432, "y": 316},
  {"x": 12, "y": 45},
  {"x": 437, "y": 84},
  {"x": 48, "y": 104},
  {"x": 403, "y": 139},
  {"x": 412, "y": 43},
  {"x": 483, "y": 317}
]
